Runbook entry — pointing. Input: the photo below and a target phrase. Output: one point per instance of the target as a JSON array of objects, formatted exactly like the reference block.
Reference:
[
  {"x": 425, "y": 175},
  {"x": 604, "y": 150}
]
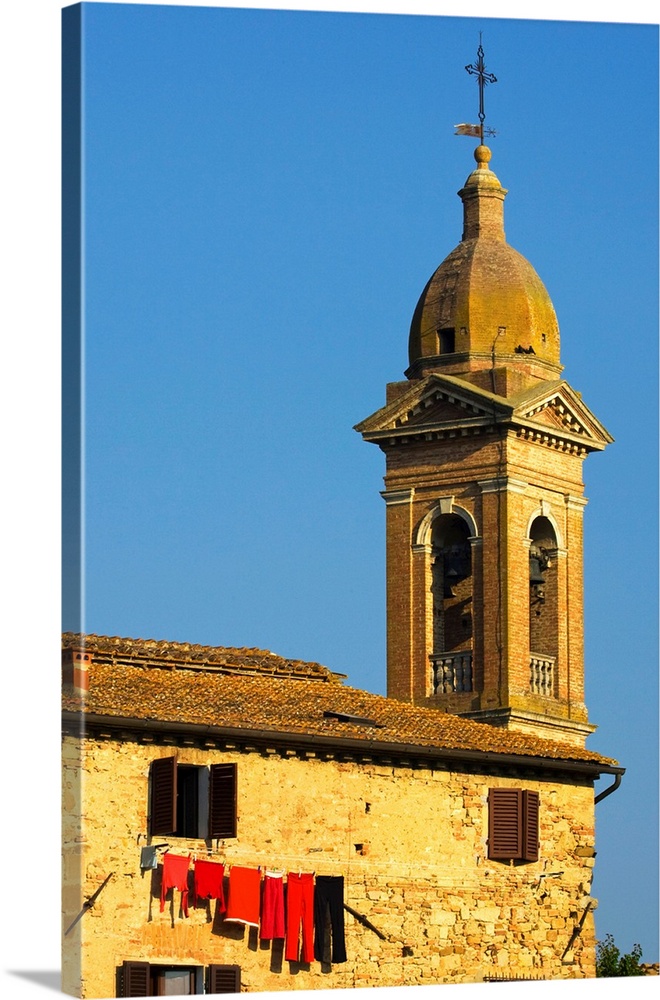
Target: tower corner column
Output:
[{"x": 399, "y": 590}]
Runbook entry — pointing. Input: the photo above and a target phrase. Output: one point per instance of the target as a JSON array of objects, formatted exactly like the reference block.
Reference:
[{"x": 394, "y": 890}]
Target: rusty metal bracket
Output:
[
  {"x": 591, "y": 905},
  {"x": 365, "y": 922},
  {"x": 89, "y": 903}
]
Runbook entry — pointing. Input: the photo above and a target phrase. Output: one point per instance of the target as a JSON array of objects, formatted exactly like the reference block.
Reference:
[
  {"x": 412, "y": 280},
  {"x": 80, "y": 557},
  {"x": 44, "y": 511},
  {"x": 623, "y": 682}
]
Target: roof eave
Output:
[
  {"x": 577, "y": 440},
  {"x": 292, "y": 741}
]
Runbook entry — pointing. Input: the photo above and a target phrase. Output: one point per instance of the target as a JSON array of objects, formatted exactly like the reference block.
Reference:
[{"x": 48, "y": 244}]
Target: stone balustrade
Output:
[
  {"x": 542, "y": 674},
  {"x": 451, "y": 672}
]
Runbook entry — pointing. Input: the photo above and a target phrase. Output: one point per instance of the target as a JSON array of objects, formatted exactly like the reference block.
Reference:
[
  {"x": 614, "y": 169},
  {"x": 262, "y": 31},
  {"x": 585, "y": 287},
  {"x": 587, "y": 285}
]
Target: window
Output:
[
  {"x": 141, "y": 979},
  {"x": 544, "y": 606},
  {"x": 513, "y": 824},
  {"x": 447, "y": 340},
  {"x": 189, "y": 802},
  {"x": 192, "y": 801}
]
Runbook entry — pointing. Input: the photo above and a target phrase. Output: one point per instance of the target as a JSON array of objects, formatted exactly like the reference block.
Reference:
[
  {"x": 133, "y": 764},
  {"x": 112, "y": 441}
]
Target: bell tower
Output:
[{"x": 484, "y": 443}]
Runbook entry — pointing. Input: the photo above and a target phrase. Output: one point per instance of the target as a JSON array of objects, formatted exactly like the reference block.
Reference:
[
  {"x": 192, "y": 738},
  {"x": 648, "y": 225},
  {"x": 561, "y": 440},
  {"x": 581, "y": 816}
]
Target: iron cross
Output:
[{"x": 482, "y": 79}]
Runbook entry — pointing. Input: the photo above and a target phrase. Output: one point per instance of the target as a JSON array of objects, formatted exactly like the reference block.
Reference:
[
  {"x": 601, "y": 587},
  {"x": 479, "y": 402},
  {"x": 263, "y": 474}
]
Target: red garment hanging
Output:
[
  {"x": 272, "y": 907},
  {"x": 175, "y": 876},
  {"x": 300, "y": 917},
  {"x": 208, "y": 877},
  {"x": 244, "y": 892}
]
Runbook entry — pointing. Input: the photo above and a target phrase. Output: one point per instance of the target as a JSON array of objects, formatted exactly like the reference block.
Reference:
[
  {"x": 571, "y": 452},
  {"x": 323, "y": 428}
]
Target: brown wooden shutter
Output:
[
  {"x": 531, "y": 826},
  {"x": 163, "y": 796},
  {"x": 136, "y": 979},
  {"x": 222, "y": 801},
  {"x": 224, "y": 979},
  {"x": 505, "y": 827}
]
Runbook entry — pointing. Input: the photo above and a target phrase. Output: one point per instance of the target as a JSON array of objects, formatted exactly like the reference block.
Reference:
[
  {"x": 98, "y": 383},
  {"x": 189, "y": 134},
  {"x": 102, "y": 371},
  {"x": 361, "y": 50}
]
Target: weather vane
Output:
[{"x": 478, "y": 70}]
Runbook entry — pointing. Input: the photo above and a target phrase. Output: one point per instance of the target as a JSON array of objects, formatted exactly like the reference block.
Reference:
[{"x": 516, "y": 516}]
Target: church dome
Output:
[{"x": 485, "y": 301}]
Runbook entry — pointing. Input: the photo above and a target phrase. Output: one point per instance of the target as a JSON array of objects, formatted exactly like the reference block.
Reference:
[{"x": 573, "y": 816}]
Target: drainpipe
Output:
[{"x": 612, "y": 788}]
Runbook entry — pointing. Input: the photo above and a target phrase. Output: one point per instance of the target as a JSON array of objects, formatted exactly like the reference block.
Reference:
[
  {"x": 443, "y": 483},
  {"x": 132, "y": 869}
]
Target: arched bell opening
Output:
[
  {"x": 543, "y": 607},
  {"x": 451, "y": 590}
]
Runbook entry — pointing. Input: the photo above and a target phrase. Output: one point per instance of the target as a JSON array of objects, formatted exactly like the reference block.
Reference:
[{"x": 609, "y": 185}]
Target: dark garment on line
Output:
[{"x": 329, "y": 908}]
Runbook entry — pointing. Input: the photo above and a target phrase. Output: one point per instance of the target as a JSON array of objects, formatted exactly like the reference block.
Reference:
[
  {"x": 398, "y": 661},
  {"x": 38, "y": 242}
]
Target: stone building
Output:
[
  {"x": 456, "y": 815},
  {"x": 466, "y": 850}
]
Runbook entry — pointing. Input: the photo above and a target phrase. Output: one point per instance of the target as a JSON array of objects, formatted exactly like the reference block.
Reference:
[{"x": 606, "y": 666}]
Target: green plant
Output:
[{"x": 610, "y": 961}]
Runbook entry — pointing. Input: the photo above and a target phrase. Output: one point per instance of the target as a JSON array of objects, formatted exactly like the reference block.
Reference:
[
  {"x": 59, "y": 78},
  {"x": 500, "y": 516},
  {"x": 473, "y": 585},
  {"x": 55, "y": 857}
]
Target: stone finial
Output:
[{"x": 482, "y": 155}]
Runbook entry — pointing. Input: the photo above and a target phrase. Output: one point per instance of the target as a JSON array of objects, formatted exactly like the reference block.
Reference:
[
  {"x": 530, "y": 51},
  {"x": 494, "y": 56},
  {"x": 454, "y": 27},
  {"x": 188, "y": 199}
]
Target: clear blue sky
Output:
[{"x": 266, "y": 194}]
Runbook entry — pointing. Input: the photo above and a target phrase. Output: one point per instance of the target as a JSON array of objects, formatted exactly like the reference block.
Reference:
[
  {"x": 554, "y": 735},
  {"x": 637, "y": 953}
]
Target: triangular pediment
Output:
[
  {"x": 439, "y": 407},
  {"x": 558, "y": 410},
  {"x": 436, "y": 402},
  {"x": 549, "y": 413}
]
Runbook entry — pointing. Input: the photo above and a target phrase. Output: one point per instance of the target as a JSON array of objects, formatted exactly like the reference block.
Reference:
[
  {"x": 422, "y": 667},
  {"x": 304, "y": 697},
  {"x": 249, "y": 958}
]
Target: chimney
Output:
[{"x": 75, "y": 669}]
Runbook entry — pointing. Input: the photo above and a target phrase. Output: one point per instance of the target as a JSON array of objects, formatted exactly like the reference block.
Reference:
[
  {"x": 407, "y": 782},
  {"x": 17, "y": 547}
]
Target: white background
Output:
[{"x": 30, "y": 421}]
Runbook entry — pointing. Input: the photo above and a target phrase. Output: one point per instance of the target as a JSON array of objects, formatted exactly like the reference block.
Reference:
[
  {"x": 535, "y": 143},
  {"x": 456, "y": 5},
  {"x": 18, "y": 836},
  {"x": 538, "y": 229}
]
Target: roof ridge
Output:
[{"x": 196, "y": 656}]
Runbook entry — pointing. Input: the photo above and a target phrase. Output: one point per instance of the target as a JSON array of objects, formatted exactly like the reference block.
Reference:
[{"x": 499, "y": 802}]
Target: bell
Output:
[
  {"x": 451, "y": 578},
  {"x": 536, "y": 577}
]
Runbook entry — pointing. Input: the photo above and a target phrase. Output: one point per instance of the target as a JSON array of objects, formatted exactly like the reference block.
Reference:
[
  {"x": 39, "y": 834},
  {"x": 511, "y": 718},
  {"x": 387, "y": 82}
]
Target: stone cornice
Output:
[
  {"x": 503, "y": 484},
  {"x": 559, "y": 725},
  {"x": 479, "y": 361},
  {"x": 443, "y": 406},
  {"x": 400, "y": 496},
  {"x": 575, "y": 503}
]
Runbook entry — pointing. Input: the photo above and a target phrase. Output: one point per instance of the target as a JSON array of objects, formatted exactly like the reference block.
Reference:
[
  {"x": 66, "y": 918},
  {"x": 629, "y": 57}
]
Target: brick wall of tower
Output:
[
  {"x": 504, "y": 484},
  {"x": 575, "y": 605},
  {"x": 558, "y": 471},
  {"x": 495, "y": 605},
  {"x": 456, "y": 460},
  {"x": 422, "y": 622},
  {"x": 399, "y": 569},
  {"x": 517, "y": 596}
]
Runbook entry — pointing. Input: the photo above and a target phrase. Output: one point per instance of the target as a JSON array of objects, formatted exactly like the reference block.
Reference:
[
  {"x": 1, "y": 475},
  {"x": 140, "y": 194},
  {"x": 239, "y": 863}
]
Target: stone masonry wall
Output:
[{"x": 411, "y": 844}]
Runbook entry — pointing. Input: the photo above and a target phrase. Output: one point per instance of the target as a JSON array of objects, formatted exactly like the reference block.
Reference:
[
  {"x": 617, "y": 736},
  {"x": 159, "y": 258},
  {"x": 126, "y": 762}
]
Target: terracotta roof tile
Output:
[
  {"x": 227, "y": 659},
  {"x": 250, "y": 689}
]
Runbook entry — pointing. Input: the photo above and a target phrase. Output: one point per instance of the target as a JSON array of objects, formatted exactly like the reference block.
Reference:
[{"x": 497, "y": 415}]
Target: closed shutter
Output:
[
  {"x": 505, "y": 827},
  {"x": 531, "y": 825},
  {"x": 224, "y": 979},
  {"x": 163, "y": 796},
  {"x": 135, "y": 979},
  {"x": 222, "y": 801}
]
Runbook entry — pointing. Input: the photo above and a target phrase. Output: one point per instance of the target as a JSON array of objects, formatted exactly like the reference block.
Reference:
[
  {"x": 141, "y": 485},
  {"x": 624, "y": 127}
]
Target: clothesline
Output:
[
  {"x": 228, "y": 852},
  {"x": 231, "y": 856},
  {"x": 351, "y": 868}
]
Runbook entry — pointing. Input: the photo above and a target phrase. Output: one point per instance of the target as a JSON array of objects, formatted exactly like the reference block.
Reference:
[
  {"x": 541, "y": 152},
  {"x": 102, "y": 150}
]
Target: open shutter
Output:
[
  {"x": 531, "y": 826},
  {"x": 163, "y": 796},
  {"x": 135, "y": 979},
  {"x": 224, "y": 979},
  {"x": 222, "y": 801},
  {"x": 505, "y": 827}
]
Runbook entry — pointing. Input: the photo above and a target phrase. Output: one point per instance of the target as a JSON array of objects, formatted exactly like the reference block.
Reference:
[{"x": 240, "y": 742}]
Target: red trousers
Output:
[
  {"x": 300, "y": 914},
  {"x": 272, "y": 908}
]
